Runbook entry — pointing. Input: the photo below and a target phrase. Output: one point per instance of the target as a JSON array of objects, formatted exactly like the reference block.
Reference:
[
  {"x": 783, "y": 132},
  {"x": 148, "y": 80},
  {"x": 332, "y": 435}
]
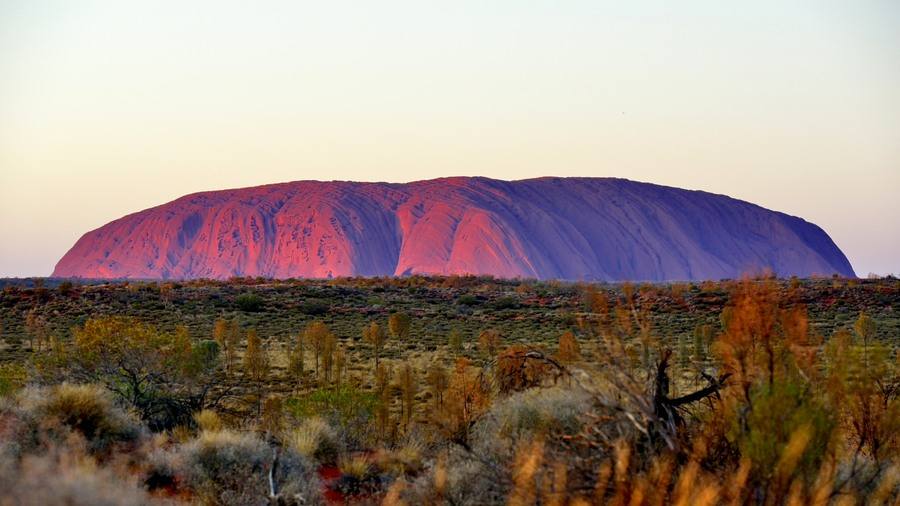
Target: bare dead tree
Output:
[{"x": 665, "y": 408}]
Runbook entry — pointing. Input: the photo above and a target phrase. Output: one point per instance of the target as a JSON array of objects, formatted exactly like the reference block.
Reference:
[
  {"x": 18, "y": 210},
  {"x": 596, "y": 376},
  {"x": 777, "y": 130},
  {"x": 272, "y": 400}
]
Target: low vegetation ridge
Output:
[{"x": 450, "y": 390}]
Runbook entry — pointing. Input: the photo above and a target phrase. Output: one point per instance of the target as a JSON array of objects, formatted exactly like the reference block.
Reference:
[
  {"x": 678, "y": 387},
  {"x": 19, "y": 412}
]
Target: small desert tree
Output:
[
  {"x": 272, "y": 421},
  {"x": 296, "y": 357},
  {"x": 748, "y": 347},
  {"x": 683, "y": 354},
  {"x": 465, "y": 399},
  {"x": 329, "y": 345},
  {"x": 383, "y": 375},
  {"x": 455, "y": 341},
  {"x": 866, "y": 383},
  {"x": 489, "y": 342},
  {"x": 519, "y": 368},
  {"x": 317, "y": 335},
  {"x": 36, "y": 326},
  {"x": 256, "y": 365},
  {"x": 406, "y": 381},
  {"x": 864, "y": 327},
  {"x": 164, "y": 377},
  {"x": 374, "y": 335},
  {"x": 166, "y": 292},
  {"x": 399, "y": 324},
  {"x": 437, "y": 382},
  {"x": 228, "y": 334},
  {"x": 597, "y": 302},
  {"x": 340, "y": 365},
  {"x": 569, "y": 351},
  {"x": 220, "y": 330},
  {"x": 702, "y": 336}
]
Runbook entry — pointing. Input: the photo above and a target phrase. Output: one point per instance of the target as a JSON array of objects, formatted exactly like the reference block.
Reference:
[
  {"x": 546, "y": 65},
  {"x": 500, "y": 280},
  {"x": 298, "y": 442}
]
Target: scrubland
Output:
[{"x": 456, "y": 390}]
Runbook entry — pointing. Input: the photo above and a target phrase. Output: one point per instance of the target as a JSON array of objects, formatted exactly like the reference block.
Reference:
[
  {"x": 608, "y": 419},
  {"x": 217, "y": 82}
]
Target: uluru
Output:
[{"x": 547, "y": 228}]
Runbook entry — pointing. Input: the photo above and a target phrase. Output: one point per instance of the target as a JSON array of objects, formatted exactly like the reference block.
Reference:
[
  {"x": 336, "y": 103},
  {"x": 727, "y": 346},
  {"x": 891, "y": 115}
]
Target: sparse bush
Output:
[
  {"x": 358, "y": 476},
  {"x": 66, "y": 478},
  {"x": 208, "y": 421},
  {"x": 355, "y": 466},
  {"x": 405, "y": 459},
  {"x": 519, "y": 368},
  {"x": 315, "y": 439},
  {"x": 226, "y": 467},
  {"x": 50, "y": 414},
  {"x": 526, "y": 415},
  {"x": 231, "y": 468}
]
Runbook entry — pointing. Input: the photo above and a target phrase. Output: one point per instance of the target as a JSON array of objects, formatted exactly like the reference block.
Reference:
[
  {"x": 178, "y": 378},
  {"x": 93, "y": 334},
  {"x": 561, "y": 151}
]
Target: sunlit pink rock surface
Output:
[{"x": 566, "y": 228}]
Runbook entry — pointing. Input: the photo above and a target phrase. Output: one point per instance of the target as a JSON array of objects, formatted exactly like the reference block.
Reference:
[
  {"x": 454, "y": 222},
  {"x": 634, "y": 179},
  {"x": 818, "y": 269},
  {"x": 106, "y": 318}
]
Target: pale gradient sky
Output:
[{"x": 107, "y": 108}]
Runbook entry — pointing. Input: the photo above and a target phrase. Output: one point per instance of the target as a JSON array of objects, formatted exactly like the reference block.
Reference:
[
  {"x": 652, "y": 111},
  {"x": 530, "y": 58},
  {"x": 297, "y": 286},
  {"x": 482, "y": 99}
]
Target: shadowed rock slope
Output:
[{"x": 566, "y": 228}]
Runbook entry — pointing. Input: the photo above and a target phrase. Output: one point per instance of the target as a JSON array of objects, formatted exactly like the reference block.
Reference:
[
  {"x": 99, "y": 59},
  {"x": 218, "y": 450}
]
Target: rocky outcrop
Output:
[{"x": 566, "y": 228}]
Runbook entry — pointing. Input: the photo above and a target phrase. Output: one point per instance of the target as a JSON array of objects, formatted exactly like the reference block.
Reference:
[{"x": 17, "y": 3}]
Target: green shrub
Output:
[
  {"x": 249, "y": 302},
  {"x": 314, "y": 307},
  {"x": 12, "y": 378},
  {"x": 345, "y": 408},
  {"x": 164, "y": 377},
  {"x": 467, "y": 300},
  {"x": 66, "y": 287},
  {"x": 779, "y": 412},
  {"x": 505, "y": 303},
  {"x": 204, "y": 357}
]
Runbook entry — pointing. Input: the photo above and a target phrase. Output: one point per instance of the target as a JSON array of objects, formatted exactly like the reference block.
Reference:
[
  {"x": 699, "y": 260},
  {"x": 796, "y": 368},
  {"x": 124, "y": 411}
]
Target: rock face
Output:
[{"x": 566, "y": 228}]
